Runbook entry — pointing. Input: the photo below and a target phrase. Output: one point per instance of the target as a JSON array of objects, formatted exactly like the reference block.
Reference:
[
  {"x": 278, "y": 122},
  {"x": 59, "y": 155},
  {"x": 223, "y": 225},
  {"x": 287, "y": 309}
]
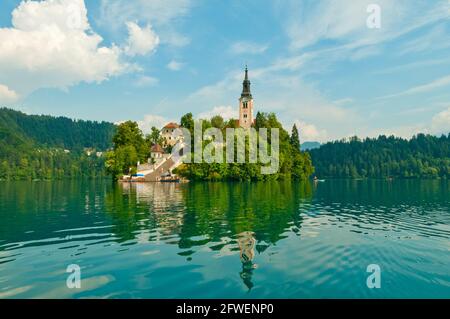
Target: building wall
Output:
[
  {"x": 167, "y": 135},
  {"x": 245, "y": 114}
]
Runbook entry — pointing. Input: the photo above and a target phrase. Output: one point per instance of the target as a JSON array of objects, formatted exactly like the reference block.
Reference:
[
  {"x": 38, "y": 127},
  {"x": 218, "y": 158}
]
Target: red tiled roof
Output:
[
  {"x": 172, "y": 125},
  {"x": 156, "y": 148}
]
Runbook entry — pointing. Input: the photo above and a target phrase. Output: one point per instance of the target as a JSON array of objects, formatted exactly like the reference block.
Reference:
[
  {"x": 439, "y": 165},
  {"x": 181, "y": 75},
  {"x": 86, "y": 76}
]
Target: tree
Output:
[
  {"x": 217, "y": 121},
  {"x": 129, "y": 148},
  {"x": 154, "y": 137},
  {"x": 121, "y": 161},
  {"x": 4, "y": 170},
  {"x": 187, "y": 121},
  {"x": 423, "y": 156},
  {"x": 129, "y": 134},
  {"x": 295, "y": 139},
  {"x": 293, "y": 163},
  {"x": 261, "y": 121}
]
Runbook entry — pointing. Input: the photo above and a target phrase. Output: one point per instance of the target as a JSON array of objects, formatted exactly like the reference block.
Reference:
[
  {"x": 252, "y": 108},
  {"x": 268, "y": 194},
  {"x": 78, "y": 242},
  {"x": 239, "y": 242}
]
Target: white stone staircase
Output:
[{"x": 152, "y": 173}]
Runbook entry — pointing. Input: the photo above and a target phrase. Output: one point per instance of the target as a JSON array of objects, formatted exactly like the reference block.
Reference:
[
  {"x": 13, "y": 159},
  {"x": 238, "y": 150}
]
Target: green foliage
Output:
[
  {"x": 217, "y": 122},
  {"x": 58, "y": 132},
  {"x": 154, "y": 137},
  {"x": 130, "y": 147},
  {"x": 187, "y": 121},
  {"x": 293, "y": 163},
  {"x": 51, "y": 164},
  {"x": 129, "y": 134},
  {"x": 33, "y": 147},
  {"x": 424, "y": 156},
  {"x": 295, "y": 138}
]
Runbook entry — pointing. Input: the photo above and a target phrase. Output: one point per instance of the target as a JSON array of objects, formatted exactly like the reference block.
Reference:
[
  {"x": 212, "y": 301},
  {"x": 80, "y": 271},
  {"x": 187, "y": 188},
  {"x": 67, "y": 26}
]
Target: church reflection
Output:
[
  {"x": 247, "y": 243},
  {"x": 222, "y": 217}
]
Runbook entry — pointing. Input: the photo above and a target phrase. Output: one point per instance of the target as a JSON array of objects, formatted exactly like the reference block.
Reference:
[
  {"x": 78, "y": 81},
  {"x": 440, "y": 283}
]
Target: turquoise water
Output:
[{"x": 242, "y": 240}]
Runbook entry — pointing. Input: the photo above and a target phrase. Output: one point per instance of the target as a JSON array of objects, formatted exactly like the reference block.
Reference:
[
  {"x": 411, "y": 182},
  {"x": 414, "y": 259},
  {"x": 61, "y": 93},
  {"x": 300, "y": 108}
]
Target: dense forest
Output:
[
  {"x": 293, "y": 164},
  {"x": 131, "y": 146},
  {"x": 423, "y": 156},
  {"x": 46, "y": 147}
]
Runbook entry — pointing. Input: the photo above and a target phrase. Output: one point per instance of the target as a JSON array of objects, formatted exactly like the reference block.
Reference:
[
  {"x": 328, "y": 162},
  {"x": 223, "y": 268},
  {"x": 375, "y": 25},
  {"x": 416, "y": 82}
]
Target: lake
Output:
[{"x": 225, "y": 240}]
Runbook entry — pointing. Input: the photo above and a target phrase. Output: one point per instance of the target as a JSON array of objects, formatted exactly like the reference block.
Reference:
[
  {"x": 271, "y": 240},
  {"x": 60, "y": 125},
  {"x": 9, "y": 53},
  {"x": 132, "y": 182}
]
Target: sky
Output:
[{"x": 335, "y": 68}]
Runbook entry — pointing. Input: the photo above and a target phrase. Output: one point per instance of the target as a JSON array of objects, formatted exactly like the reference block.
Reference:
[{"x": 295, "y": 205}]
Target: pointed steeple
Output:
[{"x": 246, "y": 85}]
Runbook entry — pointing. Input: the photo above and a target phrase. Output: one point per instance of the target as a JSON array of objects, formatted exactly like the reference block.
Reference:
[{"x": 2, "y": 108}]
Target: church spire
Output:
[{"x": 246, "y": 86}]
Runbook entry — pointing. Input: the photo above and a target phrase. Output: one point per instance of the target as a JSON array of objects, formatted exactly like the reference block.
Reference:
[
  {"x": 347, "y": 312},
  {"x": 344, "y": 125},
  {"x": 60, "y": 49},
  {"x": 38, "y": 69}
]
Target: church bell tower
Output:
[{"x": 246, "y": 104}]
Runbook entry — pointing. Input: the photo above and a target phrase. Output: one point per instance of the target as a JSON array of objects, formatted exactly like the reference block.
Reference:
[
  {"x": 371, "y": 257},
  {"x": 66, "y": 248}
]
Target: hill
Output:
[
  {"x": 57, "y": 131},
  {"x": 423, "y": 156},
  {"x": 47, "y": 147}
]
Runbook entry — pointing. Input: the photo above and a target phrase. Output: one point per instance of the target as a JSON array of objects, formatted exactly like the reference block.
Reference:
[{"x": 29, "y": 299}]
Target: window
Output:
[
  {"x": 245, "y": 116},
  {"x": 245, "y": 105}
]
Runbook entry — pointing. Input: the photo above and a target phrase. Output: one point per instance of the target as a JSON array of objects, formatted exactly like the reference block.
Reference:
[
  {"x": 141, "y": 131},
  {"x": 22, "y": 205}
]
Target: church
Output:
[{"x": 246, "y": 107}]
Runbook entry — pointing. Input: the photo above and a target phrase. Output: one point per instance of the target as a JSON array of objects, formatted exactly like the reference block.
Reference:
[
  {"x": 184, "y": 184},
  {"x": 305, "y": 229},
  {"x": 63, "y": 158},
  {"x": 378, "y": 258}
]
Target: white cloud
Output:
[
  {"x": 227, "y": 112},
  {"x": 310, "y": 133},
  {"x": 7, "y": 95},
  {"x": 163, "y": 14},
  {"x": 66, "y": 15},
  {"x": 342, "y": 28},
  {"x": 151, "y": 120},
  {"x": 287, "y": 95},
  {"x": 51, "y": 45},
  {"x": 141, "y": 41},
  {"x": 308, "y": 24},
  {"x": 336, "y": 20},
  {"x": 440, "y": 124},
  {"x": 157, "y": 12},
  {"x": 248, "y": 48},
  {"x": 173, "y": 38},
  {"x": 435, "y": 39},
  {"x": 438, "y": 83},
  {"x": 413, "y": 65},
  {"x": 146, "y": 81},
  {"x": 175, "y": 65}
]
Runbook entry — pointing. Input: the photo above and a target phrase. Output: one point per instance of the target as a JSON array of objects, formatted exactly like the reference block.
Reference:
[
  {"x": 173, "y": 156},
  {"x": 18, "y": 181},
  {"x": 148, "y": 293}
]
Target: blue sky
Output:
[{"x": 314, "y": 63}]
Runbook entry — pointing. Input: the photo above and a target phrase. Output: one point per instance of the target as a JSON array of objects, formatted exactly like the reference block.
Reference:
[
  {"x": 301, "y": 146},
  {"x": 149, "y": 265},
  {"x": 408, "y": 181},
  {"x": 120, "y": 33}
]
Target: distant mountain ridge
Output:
[{"x": 310, "y": 146}]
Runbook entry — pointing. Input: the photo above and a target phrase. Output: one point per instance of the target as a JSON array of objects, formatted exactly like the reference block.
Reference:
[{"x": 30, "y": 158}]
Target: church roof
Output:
[
  {"x": 156, "y": 148},
  {"x": 246, "y": 86},
  {"x": 172, "y": 125}
]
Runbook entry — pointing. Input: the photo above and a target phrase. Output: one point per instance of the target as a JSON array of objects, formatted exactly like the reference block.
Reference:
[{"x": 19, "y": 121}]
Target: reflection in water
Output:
[
  {"x": 277, "y": 239},
  {"x": 216, "y": 215},
  {"x": 246, "y": 245}
]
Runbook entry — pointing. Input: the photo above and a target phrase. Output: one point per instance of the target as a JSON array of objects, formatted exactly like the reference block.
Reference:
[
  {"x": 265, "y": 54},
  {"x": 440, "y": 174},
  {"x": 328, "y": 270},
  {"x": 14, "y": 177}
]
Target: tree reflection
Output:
[{"x": 224, "y": 217}]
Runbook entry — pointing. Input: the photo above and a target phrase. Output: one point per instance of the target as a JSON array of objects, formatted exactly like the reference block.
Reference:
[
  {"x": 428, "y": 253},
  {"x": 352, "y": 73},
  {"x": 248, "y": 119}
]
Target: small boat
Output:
[
  {"x": 169, "y": 178},
  {"x": 172, "y": 180}
]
